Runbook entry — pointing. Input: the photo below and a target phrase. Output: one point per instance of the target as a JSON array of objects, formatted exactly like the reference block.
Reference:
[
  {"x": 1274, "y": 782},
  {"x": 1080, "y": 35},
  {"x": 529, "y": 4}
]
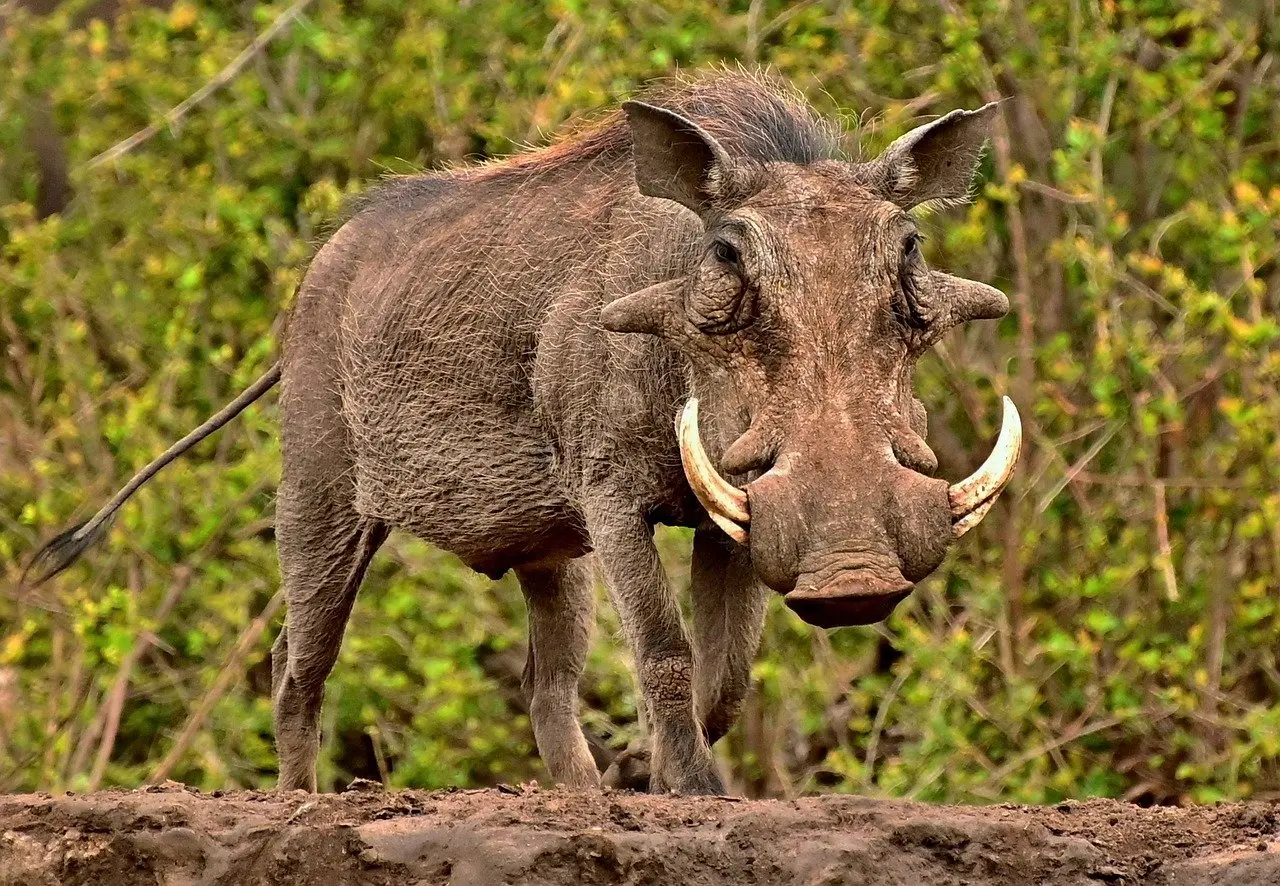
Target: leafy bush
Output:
[{"x": 1111, "y": 629}]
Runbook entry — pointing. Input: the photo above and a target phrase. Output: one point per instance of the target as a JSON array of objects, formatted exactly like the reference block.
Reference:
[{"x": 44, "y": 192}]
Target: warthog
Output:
[{"x": 492, "y": 358}]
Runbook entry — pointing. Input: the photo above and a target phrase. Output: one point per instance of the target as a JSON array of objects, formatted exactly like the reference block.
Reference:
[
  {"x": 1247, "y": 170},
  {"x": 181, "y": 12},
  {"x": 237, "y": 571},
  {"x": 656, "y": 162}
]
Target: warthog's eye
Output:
[
  {"x": 911, "y": 246},
  {"x": 720, "y": 301},
  {"x": 909, "y": 304},
  {"x": 726, "y": 253}
]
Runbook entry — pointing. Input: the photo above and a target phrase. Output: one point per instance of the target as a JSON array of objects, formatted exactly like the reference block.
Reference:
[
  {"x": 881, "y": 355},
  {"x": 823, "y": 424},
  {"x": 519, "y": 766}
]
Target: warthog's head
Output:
[{"x": 803, "y": 321}]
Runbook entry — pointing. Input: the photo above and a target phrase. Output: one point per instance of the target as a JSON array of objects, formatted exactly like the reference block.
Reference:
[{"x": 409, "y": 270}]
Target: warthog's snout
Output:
[{"x": 844, "y": 532}]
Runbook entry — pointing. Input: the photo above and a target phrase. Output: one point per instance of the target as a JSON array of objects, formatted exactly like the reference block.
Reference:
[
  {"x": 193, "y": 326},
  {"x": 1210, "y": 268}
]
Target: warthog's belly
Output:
[{"x": 482, "y": 491}]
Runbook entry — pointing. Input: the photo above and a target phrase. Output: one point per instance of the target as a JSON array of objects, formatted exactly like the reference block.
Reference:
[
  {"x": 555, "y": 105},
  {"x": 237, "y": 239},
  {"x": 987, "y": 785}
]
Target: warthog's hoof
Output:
[
  {"x": 364, "y": 785},
  {"x": 629, "y": 771}
]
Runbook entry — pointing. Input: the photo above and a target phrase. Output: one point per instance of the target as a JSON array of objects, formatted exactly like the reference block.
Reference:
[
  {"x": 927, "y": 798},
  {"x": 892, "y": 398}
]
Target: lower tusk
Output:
[
  {"x": 973, "y": 496},
  {"x": 973, "y": 518},
  {"x": 726, "y": 503},
  {"x": 733, "y": 530}
]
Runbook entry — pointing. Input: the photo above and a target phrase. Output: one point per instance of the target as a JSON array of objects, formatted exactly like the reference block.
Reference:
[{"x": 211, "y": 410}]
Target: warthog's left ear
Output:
[
  {"x": 935, "y": 162},
  {"x": 675, "y": 158}
]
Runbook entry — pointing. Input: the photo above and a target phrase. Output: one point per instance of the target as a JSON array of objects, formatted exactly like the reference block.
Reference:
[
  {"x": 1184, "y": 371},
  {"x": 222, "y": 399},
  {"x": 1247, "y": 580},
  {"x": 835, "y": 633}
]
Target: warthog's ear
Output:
[
  {"x": 935, "y": 162},
  {"x": 675, "y": 158},
  {"x": 648, "y": 310}
]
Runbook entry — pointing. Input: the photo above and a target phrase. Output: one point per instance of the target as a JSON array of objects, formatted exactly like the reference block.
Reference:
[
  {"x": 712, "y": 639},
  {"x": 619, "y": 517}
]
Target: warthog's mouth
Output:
[{"x": 851, "y": 598}]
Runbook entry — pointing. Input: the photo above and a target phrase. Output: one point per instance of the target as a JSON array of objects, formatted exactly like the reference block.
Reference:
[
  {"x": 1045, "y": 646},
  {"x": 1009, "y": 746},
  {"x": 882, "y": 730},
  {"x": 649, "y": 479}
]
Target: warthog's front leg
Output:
[
  {"x": 729, "y": 605},
  {"x": 650, "y": 617}
]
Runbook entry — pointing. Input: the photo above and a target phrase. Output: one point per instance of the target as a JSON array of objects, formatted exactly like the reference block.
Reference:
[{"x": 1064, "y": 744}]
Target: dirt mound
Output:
[{"x": 172, "y": 835}]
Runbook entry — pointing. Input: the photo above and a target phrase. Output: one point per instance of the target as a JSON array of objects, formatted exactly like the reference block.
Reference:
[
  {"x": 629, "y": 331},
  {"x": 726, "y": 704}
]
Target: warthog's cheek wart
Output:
[{"x": 851, "y": 599}]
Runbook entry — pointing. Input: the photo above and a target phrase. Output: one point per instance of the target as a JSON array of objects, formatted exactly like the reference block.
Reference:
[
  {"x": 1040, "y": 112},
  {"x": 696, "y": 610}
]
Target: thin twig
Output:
[
  {"x": 1168, "y": 482},
  {"x": 248, "y": 638},
  {"x": 124, "y": 674},
  {"x": 780, "y": 20},
  {"x": 18, "y": 769},
  {"x": 1165, "y": 559},
  {"x": 541, "y": 110},
  {"x": 223, "y": 77},
  {"x": 1242, "y": 106},
  {"x": 1147, "y": 292},
  {"x": 1055, "y": 194},
  {"x": 1090, "y": 454},
  {"x": 882, "y": 715},
  {"x": 1095, "y": 157},
  {"x": 752, "y": 50},
  {"x": 1208, "y": 83},
  {"x": 1022, "y": 385},
  {"x": 89, "y": 737},
  {"x": 999, "y": 776}
]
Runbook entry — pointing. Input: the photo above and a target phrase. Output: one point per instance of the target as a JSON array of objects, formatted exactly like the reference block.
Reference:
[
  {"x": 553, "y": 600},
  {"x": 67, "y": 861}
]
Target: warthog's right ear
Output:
[
  {"x": 649, "y": 310},
  {"x": 935, "y": 162},
  {"x": 675, "y": 158}
]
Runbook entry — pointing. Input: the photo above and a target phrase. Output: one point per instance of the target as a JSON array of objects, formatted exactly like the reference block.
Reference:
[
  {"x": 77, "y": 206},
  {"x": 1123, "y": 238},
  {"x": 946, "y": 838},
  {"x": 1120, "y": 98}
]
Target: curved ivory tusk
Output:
[
  {"x": 726, "y": 503},
  {"x": 973, "y": 496}
]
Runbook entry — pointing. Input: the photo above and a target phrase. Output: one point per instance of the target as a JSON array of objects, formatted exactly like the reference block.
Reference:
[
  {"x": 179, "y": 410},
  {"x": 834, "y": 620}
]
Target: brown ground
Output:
[{"x": 172, "y": 835}]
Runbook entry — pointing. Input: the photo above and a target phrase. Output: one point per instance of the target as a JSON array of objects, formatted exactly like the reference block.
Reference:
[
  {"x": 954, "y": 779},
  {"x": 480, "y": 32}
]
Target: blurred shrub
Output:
[{"x": 1112, "y": 629}]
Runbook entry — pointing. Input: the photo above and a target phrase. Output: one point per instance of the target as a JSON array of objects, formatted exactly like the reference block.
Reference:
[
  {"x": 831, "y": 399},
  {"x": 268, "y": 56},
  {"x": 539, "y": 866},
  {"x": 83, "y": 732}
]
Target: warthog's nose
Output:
[{"x": 852, "y": 597}]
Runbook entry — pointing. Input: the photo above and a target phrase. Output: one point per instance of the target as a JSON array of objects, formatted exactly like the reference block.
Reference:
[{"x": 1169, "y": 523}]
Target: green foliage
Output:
[{"x": 1111, "y": 629}]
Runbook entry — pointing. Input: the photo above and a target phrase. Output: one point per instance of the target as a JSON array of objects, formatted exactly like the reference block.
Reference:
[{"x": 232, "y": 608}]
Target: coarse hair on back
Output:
[{"x": 756, "y": 116}]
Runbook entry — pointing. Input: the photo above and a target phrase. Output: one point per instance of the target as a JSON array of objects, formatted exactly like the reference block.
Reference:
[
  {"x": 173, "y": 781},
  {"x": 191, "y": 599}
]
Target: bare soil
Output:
[{"x": 173, "y": 835}]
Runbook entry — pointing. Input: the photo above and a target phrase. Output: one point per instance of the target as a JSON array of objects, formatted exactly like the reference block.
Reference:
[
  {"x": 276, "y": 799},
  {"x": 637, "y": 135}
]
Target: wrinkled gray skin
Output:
[
  {"x": 449, "y": 370},
  {"x": 492, "y": 358}
]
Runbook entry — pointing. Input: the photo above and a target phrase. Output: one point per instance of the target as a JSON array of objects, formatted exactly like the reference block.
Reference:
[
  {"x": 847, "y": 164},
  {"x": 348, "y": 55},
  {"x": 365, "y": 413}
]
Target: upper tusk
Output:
[
  {"x": 973, "y": 496},
  {"x": 726, "y": 503}
]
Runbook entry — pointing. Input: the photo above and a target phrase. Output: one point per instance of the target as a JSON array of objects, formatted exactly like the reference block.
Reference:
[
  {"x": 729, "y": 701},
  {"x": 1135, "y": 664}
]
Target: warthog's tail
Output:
[{"x": 61, "y": 551}]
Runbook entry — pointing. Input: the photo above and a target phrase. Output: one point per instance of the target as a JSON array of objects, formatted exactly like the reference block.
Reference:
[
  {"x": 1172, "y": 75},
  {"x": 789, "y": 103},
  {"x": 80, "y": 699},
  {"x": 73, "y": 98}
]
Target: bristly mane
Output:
[{"x": 756, "y": 117}]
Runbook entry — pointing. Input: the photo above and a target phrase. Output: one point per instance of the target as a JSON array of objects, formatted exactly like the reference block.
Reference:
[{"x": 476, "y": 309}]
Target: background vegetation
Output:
[{"x": 1111, "y": 629}]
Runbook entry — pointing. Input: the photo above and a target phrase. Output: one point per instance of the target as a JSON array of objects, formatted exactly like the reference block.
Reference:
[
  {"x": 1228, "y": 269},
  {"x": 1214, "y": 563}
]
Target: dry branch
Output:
[
  {"x": 1165, "y": 558},
  {"x": 248, "y": 638},
  {"x": 124, "y": 674},
  {"x": 223, "y": 77}
]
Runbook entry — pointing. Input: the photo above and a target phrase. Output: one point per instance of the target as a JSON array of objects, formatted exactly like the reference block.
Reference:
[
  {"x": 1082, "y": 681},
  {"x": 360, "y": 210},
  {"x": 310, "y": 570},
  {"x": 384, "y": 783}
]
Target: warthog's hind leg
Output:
[
  {"x": 561, "y": 613},
  {"x": 324, "y": 551}
]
